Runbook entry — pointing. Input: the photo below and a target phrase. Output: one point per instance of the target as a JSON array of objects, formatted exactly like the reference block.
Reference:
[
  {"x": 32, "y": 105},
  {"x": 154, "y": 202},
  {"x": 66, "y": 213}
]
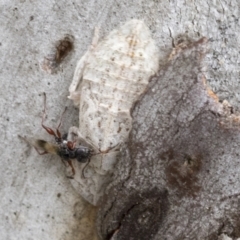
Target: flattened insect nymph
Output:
[{"x": 107, "y": 81}]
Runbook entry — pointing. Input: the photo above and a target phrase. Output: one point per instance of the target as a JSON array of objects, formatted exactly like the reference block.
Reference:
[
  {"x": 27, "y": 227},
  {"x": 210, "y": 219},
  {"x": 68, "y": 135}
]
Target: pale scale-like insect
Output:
[{"x": 107, "y": 81}]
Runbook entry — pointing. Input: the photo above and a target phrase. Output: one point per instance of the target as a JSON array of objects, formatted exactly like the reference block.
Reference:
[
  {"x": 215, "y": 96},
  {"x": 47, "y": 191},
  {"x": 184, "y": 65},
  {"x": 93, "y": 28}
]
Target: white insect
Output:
[{"x": 107, "y": 81}]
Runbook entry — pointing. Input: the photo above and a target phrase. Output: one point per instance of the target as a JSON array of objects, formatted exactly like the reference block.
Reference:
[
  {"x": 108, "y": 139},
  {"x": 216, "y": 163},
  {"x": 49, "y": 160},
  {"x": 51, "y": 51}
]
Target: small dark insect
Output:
[
  {"x": 67, "y": 150},
  {"x": 63, "y": 47},
  {"x": 59, "y": 52}
]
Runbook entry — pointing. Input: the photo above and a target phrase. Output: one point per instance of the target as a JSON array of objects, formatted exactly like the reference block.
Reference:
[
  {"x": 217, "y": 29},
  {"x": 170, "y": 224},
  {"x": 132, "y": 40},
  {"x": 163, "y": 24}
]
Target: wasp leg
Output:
[
  {"x": 64, "y": 162},
  {"x": 40, "y": 153},
  {"x": 24, "y": 139},
  {"x": 85, "y": 167},
  {"x": 73, "y": 170}
]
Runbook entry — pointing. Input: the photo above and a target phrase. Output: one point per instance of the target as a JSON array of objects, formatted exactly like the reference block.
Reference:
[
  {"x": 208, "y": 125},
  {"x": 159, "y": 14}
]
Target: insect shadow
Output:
[{"x": 67, "y": 150}]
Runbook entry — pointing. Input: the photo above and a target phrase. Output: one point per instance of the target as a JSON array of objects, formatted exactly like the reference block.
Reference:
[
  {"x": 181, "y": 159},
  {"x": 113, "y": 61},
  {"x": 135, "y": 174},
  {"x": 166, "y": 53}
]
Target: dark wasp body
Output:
[
  {"x": 67, "y": 150},
  {"x": 81, "y": 153}
]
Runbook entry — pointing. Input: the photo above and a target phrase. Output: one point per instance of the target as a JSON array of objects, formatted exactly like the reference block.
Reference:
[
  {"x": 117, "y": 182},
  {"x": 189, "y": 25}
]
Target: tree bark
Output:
[
  {"x": 197, "y": 189},
  {"x": 178, "y": 177}
]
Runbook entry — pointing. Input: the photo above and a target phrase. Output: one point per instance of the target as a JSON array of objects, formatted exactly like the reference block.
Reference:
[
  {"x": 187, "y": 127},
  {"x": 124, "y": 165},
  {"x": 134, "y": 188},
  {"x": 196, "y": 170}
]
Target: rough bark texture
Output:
[
  {"x": 177, "y": 163},
  {"x": 38, "y": 202}
]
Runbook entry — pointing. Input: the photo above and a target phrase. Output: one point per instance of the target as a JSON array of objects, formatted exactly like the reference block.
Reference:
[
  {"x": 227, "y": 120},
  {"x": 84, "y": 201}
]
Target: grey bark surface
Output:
[
  {"x": 176, "y": 166},
  {"x": 174, "y": 179}
]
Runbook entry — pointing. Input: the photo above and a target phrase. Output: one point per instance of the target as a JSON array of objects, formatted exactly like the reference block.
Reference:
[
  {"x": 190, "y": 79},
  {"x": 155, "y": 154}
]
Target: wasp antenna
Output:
[
  {"x": 49, "y": 130},
  {"x": 59, "y": 134},
  {"x": 60, "y": 123},
  {"x": 44, "y": 105}
]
